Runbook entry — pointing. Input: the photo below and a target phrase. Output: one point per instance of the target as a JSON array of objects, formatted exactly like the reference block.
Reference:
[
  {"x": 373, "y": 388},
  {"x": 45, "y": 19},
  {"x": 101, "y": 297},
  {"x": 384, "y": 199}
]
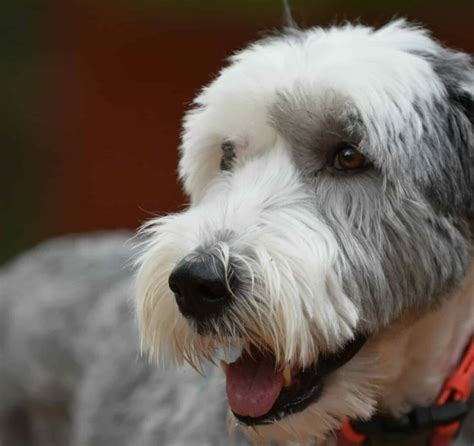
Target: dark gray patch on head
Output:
[
  {"x": 314, "y": 126},
  {"x": 454, "y": 132}
]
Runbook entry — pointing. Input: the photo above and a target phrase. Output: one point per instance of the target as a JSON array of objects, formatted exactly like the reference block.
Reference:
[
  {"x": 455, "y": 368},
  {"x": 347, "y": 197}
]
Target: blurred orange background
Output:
[{"x": 95, "y": 91}]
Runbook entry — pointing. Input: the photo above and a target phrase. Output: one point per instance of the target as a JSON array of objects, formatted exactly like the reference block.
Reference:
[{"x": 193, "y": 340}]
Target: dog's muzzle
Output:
[{"x": 258, "y": 390}]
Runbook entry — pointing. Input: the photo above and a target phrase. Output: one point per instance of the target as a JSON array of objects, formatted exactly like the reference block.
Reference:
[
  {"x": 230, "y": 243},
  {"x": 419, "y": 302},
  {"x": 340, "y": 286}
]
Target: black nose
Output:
[{"x": 200, "y": 286}]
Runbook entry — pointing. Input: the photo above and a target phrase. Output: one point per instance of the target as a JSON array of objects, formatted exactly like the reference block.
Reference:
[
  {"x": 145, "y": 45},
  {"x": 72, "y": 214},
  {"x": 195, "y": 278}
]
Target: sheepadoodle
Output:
[{"x": 326, "y": 255}]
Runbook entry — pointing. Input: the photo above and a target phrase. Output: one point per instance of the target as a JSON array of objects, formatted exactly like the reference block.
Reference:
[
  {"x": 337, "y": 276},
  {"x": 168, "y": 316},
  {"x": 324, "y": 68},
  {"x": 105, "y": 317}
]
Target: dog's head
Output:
[{"x": 331, "y": 185}]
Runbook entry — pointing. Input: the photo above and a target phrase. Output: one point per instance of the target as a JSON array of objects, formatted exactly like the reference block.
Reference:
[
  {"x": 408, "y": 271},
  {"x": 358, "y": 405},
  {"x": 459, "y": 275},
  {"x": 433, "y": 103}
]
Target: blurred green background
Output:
[{"x": 93, "y": 93}]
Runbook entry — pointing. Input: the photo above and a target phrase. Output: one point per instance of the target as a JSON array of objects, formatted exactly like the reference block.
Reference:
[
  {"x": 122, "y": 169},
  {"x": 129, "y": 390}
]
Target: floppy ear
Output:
[
  {"x": 463, "y": 101},
  {"x": 456, "y": 71}
]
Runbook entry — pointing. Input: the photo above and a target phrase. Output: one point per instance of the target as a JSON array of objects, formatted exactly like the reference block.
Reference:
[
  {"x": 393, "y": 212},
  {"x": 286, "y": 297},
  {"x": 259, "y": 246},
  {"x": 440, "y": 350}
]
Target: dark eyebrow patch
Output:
[{"x": 314, "y": 125}]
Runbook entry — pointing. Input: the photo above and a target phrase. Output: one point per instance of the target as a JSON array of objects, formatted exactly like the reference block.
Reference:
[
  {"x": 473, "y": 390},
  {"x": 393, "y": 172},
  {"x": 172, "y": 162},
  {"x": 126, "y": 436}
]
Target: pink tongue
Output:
[{"x": 253, "y": 385}]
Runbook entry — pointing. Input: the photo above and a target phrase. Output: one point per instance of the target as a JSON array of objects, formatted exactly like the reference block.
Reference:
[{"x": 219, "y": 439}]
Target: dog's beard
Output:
[
  {"x": 290, "y": 303},
  {"x": 279, "y": 326}
]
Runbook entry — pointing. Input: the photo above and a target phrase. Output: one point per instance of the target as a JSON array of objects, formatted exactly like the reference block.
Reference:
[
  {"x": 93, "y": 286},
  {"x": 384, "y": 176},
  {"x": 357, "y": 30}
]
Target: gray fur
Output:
[
  {"x": 457, "y": 73},
  {"x": 70, "y": 369}
]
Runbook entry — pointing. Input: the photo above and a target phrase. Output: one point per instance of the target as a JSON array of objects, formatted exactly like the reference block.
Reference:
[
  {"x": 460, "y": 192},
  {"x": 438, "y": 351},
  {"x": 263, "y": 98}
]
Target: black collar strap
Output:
[{"x": 421, "y": 419}]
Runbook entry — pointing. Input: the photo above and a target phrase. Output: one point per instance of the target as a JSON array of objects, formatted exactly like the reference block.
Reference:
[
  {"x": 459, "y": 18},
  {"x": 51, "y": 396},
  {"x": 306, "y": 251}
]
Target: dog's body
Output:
[
  {"x": 70, "y": 366},
  {"x": 328, "y": 238}
]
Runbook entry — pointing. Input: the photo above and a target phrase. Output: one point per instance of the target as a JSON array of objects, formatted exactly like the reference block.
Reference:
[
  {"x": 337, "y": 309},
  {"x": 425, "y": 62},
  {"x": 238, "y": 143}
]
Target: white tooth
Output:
[
  {"x": 224, "y": 367},
  {"x": 229, "y": 354},
  {"x": 287, "y": 376}
]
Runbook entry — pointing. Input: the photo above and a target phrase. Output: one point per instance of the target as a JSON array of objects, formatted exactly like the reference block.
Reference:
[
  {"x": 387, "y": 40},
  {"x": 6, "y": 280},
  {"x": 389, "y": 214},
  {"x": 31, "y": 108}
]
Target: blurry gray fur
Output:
[{"x": 71, "y": 373}]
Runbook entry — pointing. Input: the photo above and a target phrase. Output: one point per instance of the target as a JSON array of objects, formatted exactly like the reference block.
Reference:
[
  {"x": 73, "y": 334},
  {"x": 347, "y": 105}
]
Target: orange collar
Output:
[{"x": 449, "y": 408}]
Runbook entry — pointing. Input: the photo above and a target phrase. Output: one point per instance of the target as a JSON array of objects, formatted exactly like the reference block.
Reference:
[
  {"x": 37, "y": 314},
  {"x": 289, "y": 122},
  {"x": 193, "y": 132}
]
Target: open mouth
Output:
[{"x": 258, "y": 393}]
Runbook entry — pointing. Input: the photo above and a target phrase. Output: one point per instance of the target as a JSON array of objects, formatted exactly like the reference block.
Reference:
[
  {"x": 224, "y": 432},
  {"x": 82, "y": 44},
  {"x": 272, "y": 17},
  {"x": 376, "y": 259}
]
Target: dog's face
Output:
[{"x": 330, "y": 176}]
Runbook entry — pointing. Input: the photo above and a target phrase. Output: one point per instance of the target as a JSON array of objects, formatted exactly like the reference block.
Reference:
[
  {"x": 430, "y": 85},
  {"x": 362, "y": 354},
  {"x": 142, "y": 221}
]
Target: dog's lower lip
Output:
[{"x": 307, "y": 385}]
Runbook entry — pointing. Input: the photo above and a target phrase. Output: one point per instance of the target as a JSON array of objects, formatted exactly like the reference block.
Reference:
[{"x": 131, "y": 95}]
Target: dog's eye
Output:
[
  {"x": 228, "y": 155},
  {"x": 349, "y": 158}
]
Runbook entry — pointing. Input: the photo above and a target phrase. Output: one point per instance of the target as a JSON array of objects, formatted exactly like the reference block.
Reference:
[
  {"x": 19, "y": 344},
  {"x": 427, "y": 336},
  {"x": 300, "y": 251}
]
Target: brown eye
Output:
[{"x": 349, "y": 158}]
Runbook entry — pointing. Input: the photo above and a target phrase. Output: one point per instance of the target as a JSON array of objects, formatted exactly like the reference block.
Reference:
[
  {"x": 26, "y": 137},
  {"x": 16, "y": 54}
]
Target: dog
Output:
[
  {"x": 326, "y": 254},
  {"x": 325, "y": 258}
]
